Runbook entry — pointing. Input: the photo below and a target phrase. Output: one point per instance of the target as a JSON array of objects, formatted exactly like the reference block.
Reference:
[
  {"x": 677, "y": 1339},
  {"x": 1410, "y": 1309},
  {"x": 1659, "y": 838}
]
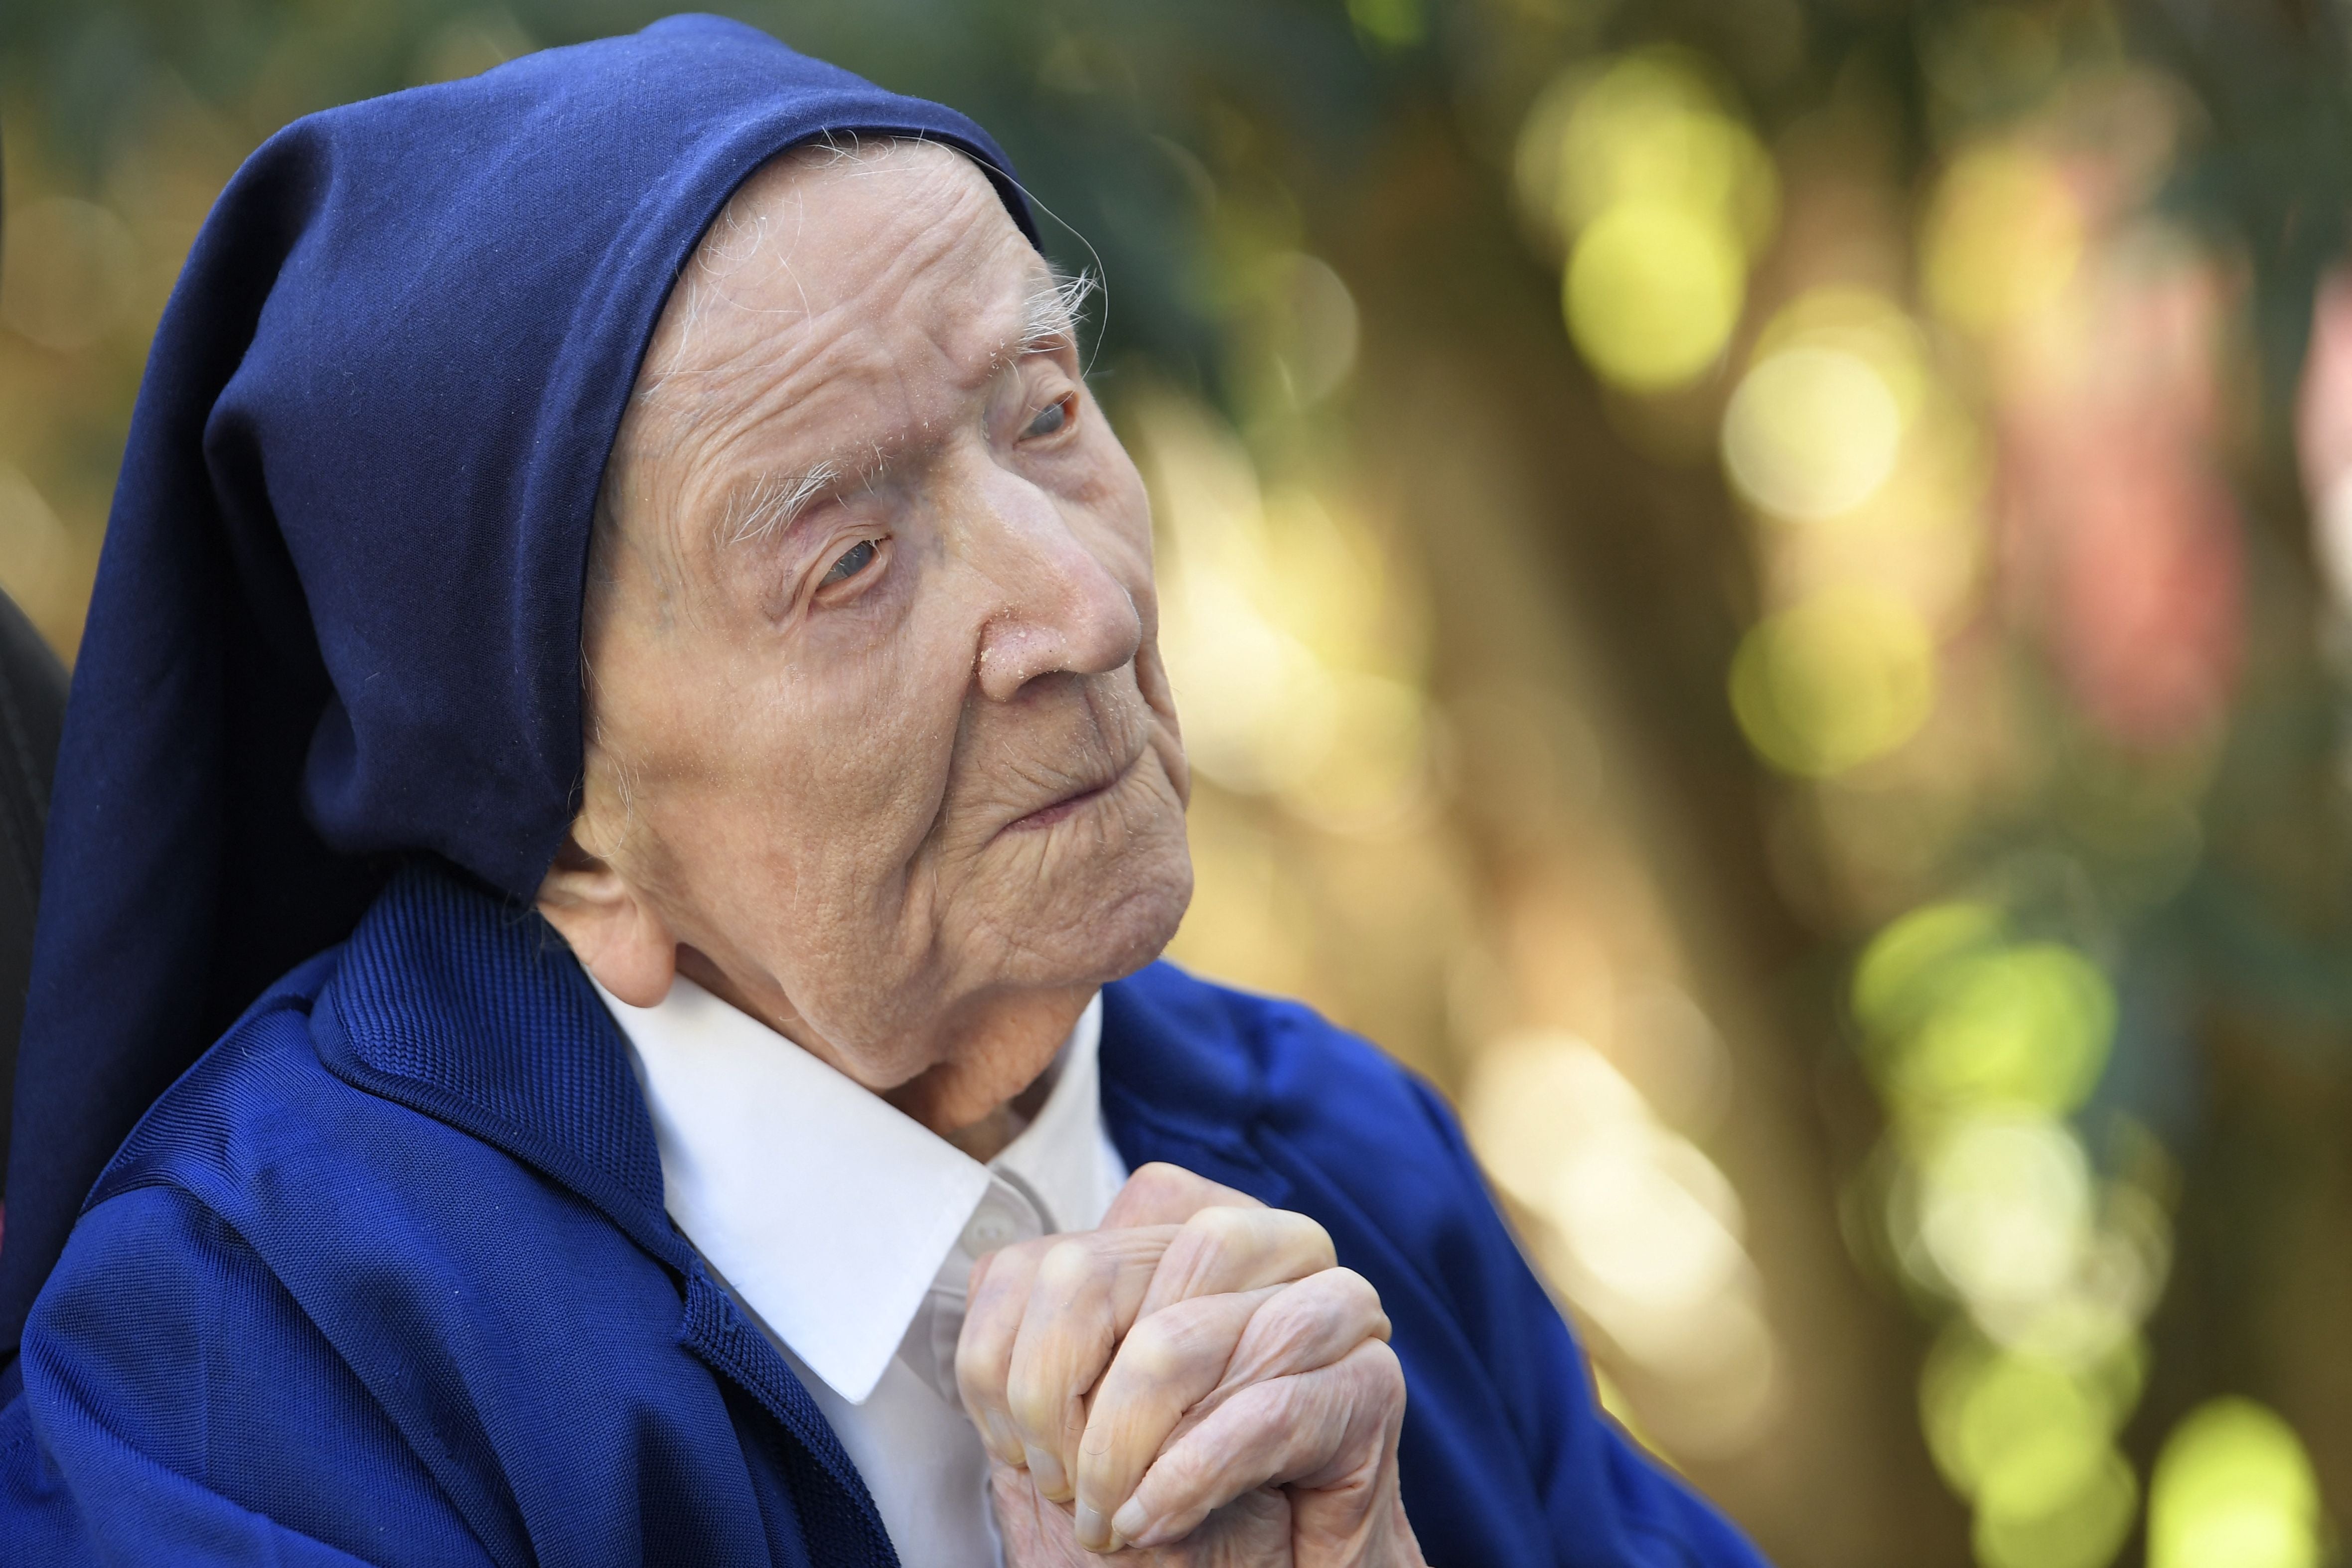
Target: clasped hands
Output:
[{"x": 1196, "y": 1383}]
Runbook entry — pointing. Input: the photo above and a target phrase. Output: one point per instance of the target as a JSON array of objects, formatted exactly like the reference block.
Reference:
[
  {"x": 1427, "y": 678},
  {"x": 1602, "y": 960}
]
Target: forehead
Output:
[{"x": 893, "y": 264}]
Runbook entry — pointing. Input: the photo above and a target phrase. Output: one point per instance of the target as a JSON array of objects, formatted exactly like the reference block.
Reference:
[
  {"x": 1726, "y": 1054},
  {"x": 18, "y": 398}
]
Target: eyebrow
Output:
[
  {"x": 1051, "y": 310},
  {"x": 771, "y": 503}
]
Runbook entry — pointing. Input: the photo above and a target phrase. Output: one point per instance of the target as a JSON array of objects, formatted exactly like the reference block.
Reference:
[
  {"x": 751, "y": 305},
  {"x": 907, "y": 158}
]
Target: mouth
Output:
[{"x": 1070, "y": 805}]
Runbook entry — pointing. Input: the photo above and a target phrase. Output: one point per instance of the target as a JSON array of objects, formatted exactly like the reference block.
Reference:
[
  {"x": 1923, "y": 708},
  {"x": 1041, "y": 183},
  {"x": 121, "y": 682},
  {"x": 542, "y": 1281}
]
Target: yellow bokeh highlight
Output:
[
  {"x": 1652, "y": 129},
  {"x": 1293, "y": 648},
  {"x": 1635, "y": 1225},
  {"x": 1660, "y": 197},
  {"x": 2004, "y": 1212},
  {"x": 1396, "y": 24},
  {"x": 2030, "y": 1443},
  {"x": 1895, "y": 983},
  {"x": 1811, "y": 434},
  {"x": 2030, "y": 1025},
  {"x": 1861, "y": 322},
  {"x": 1827, "y": 685},
  {"x": 2233, "y": 1489},
  {"x": 1961, "y": 1018},
  {"x": 1653, "y": 293},
  {"x": 2004, "y": 234},
  {"x": 2084, "y": 1529}
]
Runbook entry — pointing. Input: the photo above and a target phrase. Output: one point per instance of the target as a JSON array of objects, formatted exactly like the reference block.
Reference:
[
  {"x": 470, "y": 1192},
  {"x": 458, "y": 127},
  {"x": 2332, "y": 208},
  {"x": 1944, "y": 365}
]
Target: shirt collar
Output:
[{"x": 824, "y": 1208}]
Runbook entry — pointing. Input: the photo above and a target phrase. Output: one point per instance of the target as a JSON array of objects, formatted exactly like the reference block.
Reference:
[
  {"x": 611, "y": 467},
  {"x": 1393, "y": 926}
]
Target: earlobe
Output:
[{"x": 612, "y": 929}]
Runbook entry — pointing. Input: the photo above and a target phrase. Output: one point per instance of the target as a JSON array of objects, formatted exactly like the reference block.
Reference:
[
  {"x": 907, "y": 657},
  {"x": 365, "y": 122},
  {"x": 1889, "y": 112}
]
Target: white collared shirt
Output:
[{"x": 847, "y": 1230}]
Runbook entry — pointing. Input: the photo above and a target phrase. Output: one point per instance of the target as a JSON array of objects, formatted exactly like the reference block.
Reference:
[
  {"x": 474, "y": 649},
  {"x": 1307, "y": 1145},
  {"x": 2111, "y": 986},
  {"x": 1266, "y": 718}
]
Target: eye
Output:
[
  {"x": 1051, "y": 418},
  {"x": 853, "y": 561}
]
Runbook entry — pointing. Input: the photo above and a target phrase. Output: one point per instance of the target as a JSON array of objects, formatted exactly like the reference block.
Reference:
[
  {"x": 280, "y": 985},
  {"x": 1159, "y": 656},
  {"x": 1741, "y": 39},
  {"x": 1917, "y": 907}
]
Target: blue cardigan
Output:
[{"x": 386, "y": 1277}]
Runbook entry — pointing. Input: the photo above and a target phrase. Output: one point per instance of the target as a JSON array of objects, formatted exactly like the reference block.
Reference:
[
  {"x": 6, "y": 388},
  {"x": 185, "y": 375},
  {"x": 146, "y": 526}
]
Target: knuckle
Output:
[
  {"x": 1310, "y": 1237},
  {"x": 1221, "y": 1225},
  {"x": 1382, "y": 1373},
  {"x": 1033, "y": 1409},
  {"x": 1160, "y": 1179},
  {"x": 1066, "y": 1265},
  {"x": 1019, "y": 1259},
  {"x": 1359, "y": 1298},
  {"x": 1182, "y": 1469},
  {"x": 1154, "y": 1351}
]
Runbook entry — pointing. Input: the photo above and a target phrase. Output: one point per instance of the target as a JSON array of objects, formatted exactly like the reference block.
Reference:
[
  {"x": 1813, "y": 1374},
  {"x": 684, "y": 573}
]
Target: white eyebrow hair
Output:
[
  {"x": 772, "y": 502},
  {"x": 1051, "y": 312}
]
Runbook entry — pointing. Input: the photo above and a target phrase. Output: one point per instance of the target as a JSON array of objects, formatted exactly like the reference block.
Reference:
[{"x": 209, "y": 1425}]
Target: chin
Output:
[{"x": 1134, "y": 908}]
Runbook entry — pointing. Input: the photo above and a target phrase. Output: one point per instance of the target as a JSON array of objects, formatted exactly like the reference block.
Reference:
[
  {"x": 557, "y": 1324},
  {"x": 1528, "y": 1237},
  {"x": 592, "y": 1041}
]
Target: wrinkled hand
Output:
[{"x": 1196, "y": 1383}]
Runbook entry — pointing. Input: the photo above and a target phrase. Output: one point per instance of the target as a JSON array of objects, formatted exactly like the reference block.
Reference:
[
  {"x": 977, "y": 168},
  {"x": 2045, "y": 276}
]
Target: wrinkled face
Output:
[{"x": 880, "y": 746}]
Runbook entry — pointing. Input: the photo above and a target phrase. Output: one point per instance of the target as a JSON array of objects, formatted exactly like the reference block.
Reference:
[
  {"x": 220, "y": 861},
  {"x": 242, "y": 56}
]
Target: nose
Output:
[{"x": 1057, "y": 607}]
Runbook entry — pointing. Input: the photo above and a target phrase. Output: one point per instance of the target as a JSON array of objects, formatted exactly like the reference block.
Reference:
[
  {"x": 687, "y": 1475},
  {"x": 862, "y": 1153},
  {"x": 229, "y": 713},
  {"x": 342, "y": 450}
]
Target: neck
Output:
[
  {"x": 988, "y": 1073},
  {"x": 988, "y": 1137}
]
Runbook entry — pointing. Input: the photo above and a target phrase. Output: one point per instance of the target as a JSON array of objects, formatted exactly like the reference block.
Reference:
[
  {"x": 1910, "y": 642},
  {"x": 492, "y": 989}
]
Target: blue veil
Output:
[{"x": 337, "y": 616}]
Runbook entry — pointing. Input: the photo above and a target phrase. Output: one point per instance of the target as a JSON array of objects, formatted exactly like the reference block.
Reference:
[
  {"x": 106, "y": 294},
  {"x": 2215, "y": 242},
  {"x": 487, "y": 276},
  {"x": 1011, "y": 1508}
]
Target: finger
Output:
[
  {"x": 997, "y": 1300},
  {"x": 995, "y": 1296},
  {"x": 1168, "y": 1363},
  {"x": 1031, "y": 1349},
  {"x": 1179, "y": 1364},
  {"x": 1162, "y": 1193},
  {"x": 1220, "y": 1250},
  {"x": 1307, "y": 1325},
  {"x": 1333, "y": 1430},
  {"x": 1082, "y": 1300}
]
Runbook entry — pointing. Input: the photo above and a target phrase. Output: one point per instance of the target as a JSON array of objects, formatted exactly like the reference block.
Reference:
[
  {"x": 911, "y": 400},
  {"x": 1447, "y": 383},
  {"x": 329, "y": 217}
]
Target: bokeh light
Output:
[
  {"x": 2003, "y": 236},
  {"x": 1962, "y": 1017},
  {"x": 1811, "y": 433},
  {"x": 2005, "y": 1210},
  {"x": 2030, "y": 1442},
  {"x": 1653, "y": 293},
  {"x": 1641, "y": 1229},
  {"x": 1653, "y": 126},
  {"x": 1660, "y": 198},
  {"x": 2233, "y": 1489},
  {"x": 1286, "y": 632},
  {"x": 1846, "y": 676}
]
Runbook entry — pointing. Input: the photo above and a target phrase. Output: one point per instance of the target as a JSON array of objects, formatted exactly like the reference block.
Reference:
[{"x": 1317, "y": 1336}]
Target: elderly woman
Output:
[{"x": 624, "y": 680}]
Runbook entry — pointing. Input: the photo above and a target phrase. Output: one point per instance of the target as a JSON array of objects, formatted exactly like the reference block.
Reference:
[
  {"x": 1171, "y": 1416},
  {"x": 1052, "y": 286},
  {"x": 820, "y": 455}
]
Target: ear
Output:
[{"x": 613, "y": 929}]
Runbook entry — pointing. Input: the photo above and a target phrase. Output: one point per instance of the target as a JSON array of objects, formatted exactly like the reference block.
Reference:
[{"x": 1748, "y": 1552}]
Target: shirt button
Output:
[{"x": 992, "y": 1226}]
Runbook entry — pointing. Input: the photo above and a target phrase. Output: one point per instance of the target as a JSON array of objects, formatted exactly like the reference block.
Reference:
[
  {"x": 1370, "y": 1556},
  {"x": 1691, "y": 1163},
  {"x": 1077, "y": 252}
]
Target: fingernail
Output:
[
  {"x": 1094, "y": 1529},
  {"x": 1002, "y": 1440},
  {"x": 1046, "y": 1469},
  {"x": 1129, "y": 1521}
]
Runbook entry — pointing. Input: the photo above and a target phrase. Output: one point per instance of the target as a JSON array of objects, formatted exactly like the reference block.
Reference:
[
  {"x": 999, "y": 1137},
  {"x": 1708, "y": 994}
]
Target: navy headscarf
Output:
[{"x": 337, "y": 619}]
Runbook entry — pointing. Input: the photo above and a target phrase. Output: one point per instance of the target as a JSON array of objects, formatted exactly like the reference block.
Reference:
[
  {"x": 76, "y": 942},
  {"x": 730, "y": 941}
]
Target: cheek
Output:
[{"x": 849, "y": 760}]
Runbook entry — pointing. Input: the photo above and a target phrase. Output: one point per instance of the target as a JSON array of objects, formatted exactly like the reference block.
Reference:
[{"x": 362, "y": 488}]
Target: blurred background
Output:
[{"x": 1762, "y": 588}]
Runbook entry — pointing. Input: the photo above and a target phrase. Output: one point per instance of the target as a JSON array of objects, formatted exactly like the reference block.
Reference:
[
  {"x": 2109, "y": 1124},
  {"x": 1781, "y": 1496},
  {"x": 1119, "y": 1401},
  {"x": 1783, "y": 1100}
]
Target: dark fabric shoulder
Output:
[
  {"x": 237, "y": 1109},
  {"x": 453, "y": 1312},
  {"x": 166, "y": 1365},
  {"x": 1249, "y": 1068}
]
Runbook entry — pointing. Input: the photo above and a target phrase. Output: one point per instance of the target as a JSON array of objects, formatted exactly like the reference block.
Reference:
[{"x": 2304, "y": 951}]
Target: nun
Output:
[{"x": 596, "y": 999}]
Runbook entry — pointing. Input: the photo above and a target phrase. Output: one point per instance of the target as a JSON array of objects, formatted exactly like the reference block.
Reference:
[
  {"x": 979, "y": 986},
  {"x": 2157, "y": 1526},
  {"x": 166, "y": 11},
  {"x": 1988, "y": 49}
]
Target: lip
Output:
[{"x": 1068, "y": 805}]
